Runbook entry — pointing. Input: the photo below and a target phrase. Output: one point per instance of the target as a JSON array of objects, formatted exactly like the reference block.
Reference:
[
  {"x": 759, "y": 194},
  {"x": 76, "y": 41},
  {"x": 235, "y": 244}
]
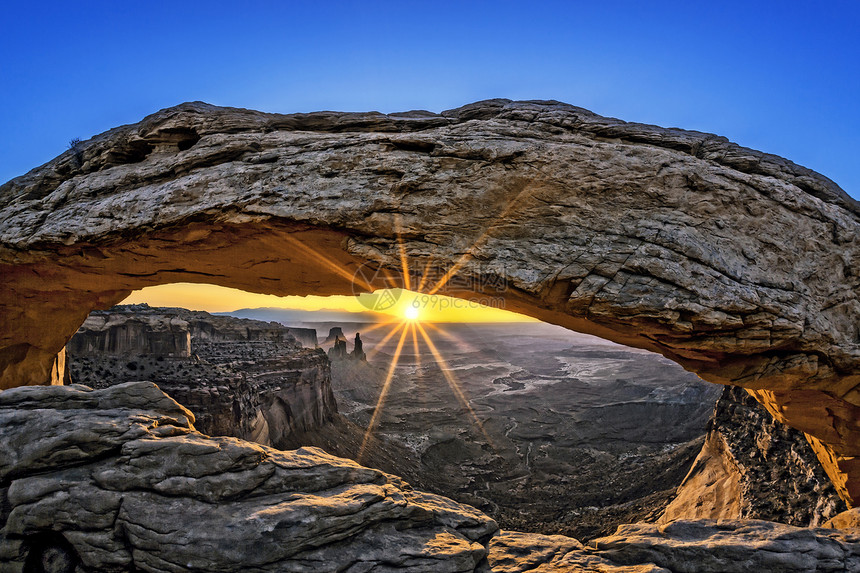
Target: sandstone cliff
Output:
[
  {"x": 118, "y": 480},
  {"x": 240, "y": 377},
  {"x": 754, "y": 467},
  {"x": 121, "y": 334},
  {"x": 739, "y": 265}
]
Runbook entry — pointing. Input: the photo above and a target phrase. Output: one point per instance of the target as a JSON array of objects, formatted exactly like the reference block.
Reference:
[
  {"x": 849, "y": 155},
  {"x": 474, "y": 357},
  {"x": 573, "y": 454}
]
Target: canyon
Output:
[
  {"x": 623, "y": 442},
  {"x": 566, "y": 433},
  {"x": 738, "y": 265},
  {"x": 241, "y": 378},
  {"x": 622, "y": 437}
]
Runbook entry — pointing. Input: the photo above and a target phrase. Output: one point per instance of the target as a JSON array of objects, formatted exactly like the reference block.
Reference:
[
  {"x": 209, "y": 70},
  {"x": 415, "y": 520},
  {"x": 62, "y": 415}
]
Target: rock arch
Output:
[{"x": 739, "y": 265}]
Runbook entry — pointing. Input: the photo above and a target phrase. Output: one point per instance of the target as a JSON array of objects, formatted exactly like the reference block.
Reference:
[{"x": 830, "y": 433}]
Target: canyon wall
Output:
[
  {"x": 739, "y": 265},
  {"x": 754, "y": 467},
  {"x": 106, "y": 334},
  {"x": 244, "y": 378},
  {"x": 306, "y": 336}
]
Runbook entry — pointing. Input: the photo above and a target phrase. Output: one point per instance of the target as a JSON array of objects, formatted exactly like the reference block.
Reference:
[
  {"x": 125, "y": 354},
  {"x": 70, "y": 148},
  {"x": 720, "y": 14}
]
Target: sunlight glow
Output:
[
  {"x": 411, "y": 312},
  {"x": 212, "y": 298}
]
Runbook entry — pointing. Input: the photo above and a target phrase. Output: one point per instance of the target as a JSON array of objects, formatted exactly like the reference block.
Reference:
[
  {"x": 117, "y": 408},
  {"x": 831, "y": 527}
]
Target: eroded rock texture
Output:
[
  {"x": 687, "y": 546},
  {"x": 123, "y": 477},
  {"x": 754, "y": 467},
  {"x": 720, "y": 546},
  {"x": 122, "y": 335},
  {"x": 118, "y": 480},
  {"x": 239, "y": 377},
  {"x": 739, "y": 265}
]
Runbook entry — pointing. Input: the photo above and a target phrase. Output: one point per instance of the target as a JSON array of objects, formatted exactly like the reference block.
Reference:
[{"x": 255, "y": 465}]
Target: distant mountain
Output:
[{"x": 294, "y": 317}]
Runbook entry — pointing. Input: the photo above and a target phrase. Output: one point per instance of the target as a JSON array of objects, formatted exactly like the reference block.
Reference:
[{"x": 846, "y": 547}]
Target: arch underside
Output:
[{"x": 740, "y": 266}]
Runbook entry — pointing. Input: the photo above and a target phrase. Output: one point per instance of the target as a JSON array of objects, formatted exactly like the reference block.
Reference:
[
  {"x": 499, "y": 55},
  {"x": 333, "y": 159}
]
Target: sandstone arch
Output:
[{"x": 739, "y": 265}]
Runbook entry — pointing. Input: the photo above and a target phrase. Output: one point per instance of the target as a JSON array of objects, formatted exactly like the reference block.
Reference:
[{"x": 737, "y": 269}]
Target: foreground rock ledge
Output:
[
  {"x": 739, "y": 265},
  {"x": 118, "y": 480},
  {"x": 121, "y": 474}
]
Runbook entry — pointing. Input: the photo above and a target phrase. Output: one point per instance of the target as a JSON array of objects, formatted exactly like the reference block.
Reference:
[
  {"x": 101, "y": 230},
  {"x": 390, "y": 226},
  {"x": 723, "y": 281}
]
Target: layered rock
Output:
[
  {"x": 358, "y": 349},
  {"x": 687, "y": 546},
  {"x": 722, "y": 546},
  {"x": 335, "y": 333},
  {"x": 338, "y": 350},
  {"x": 754, "y": 467},
  {"x": 246, "y": 378},
  {"x": 122, "y": 335},
  {"x": 307, "y": 337},
  {"x": 739, "y": 265},
  {"x": 167, "y": 332},
  {"x": 118, "y": 480}
]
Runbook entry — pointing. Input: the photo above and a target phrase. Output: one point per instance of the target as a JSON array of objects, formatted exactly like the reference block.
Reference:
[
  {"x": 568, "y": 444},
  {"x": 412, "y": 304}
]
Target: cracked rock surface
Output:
[
  {"x": 118, "y": 480},
  {"x": 753, "y": 467},
  {"x": 714, "y": 546},
  {"x": 121, "y": 474},
  {"x": 739, "y": 265}
]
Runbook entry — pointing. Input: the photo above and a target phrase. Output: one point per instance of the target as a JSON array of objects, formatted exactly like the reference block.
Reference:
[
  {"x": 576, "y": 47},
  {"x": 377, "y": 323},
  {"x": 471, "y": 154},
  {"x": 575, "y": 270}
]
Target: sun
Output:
[{"x": 411, "y": 313}]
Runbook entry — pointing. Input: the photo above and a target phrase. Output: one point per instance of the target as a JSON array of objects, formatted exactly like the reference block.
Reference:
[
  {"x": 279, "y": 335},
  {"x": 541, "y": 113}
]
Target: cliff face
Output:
[
  {"x": 240, "y": 377},
  {"x": 167, "y": 336},
  {"x": 754, "y": 467},
  {"x": 279, "y": 396},
  {"x": 306, "y": 336}
]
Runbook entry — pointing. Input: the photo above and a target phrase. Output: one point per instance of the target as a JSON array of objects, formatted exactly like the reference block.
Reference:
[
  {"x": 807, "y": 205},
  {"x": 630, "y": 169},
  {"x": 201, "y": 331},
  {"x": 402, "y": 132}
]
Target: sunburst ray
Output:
[
  {"x": 404, "y": 261},
  {"x": 327, "y": 262},
  {"x": 453, "y": 382},
  {"x": 417, "y": 350},
  {"x": 425, "y": 276},
  {"x": 379, "y": 346},
  {"x": 383, "y": 324},
  {"x": 477, "y": 242},
  {"x": 380, "y": 402},
  {"x": 454, "y": 337}
]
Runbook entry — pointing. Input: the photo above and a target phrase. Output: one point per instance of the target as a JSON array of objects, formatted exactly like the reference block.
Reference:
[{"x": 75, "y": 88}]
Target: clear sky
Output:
[{"x": 779, "y": 76}]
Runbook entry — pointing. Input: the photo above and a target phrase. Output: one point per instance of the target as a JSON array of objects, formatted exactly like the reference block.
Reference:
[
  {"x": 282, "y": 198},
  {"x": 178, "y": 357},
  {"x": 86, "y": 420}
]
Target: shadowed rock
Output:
[{"x": 754, "y": 467}]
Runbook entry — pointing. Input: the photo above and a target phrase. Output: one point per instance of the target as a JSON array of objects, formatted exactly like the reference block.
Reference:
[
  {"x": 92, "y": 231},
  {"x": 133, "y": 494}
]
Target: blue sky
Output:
[{"x": 783, "y": 77}]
